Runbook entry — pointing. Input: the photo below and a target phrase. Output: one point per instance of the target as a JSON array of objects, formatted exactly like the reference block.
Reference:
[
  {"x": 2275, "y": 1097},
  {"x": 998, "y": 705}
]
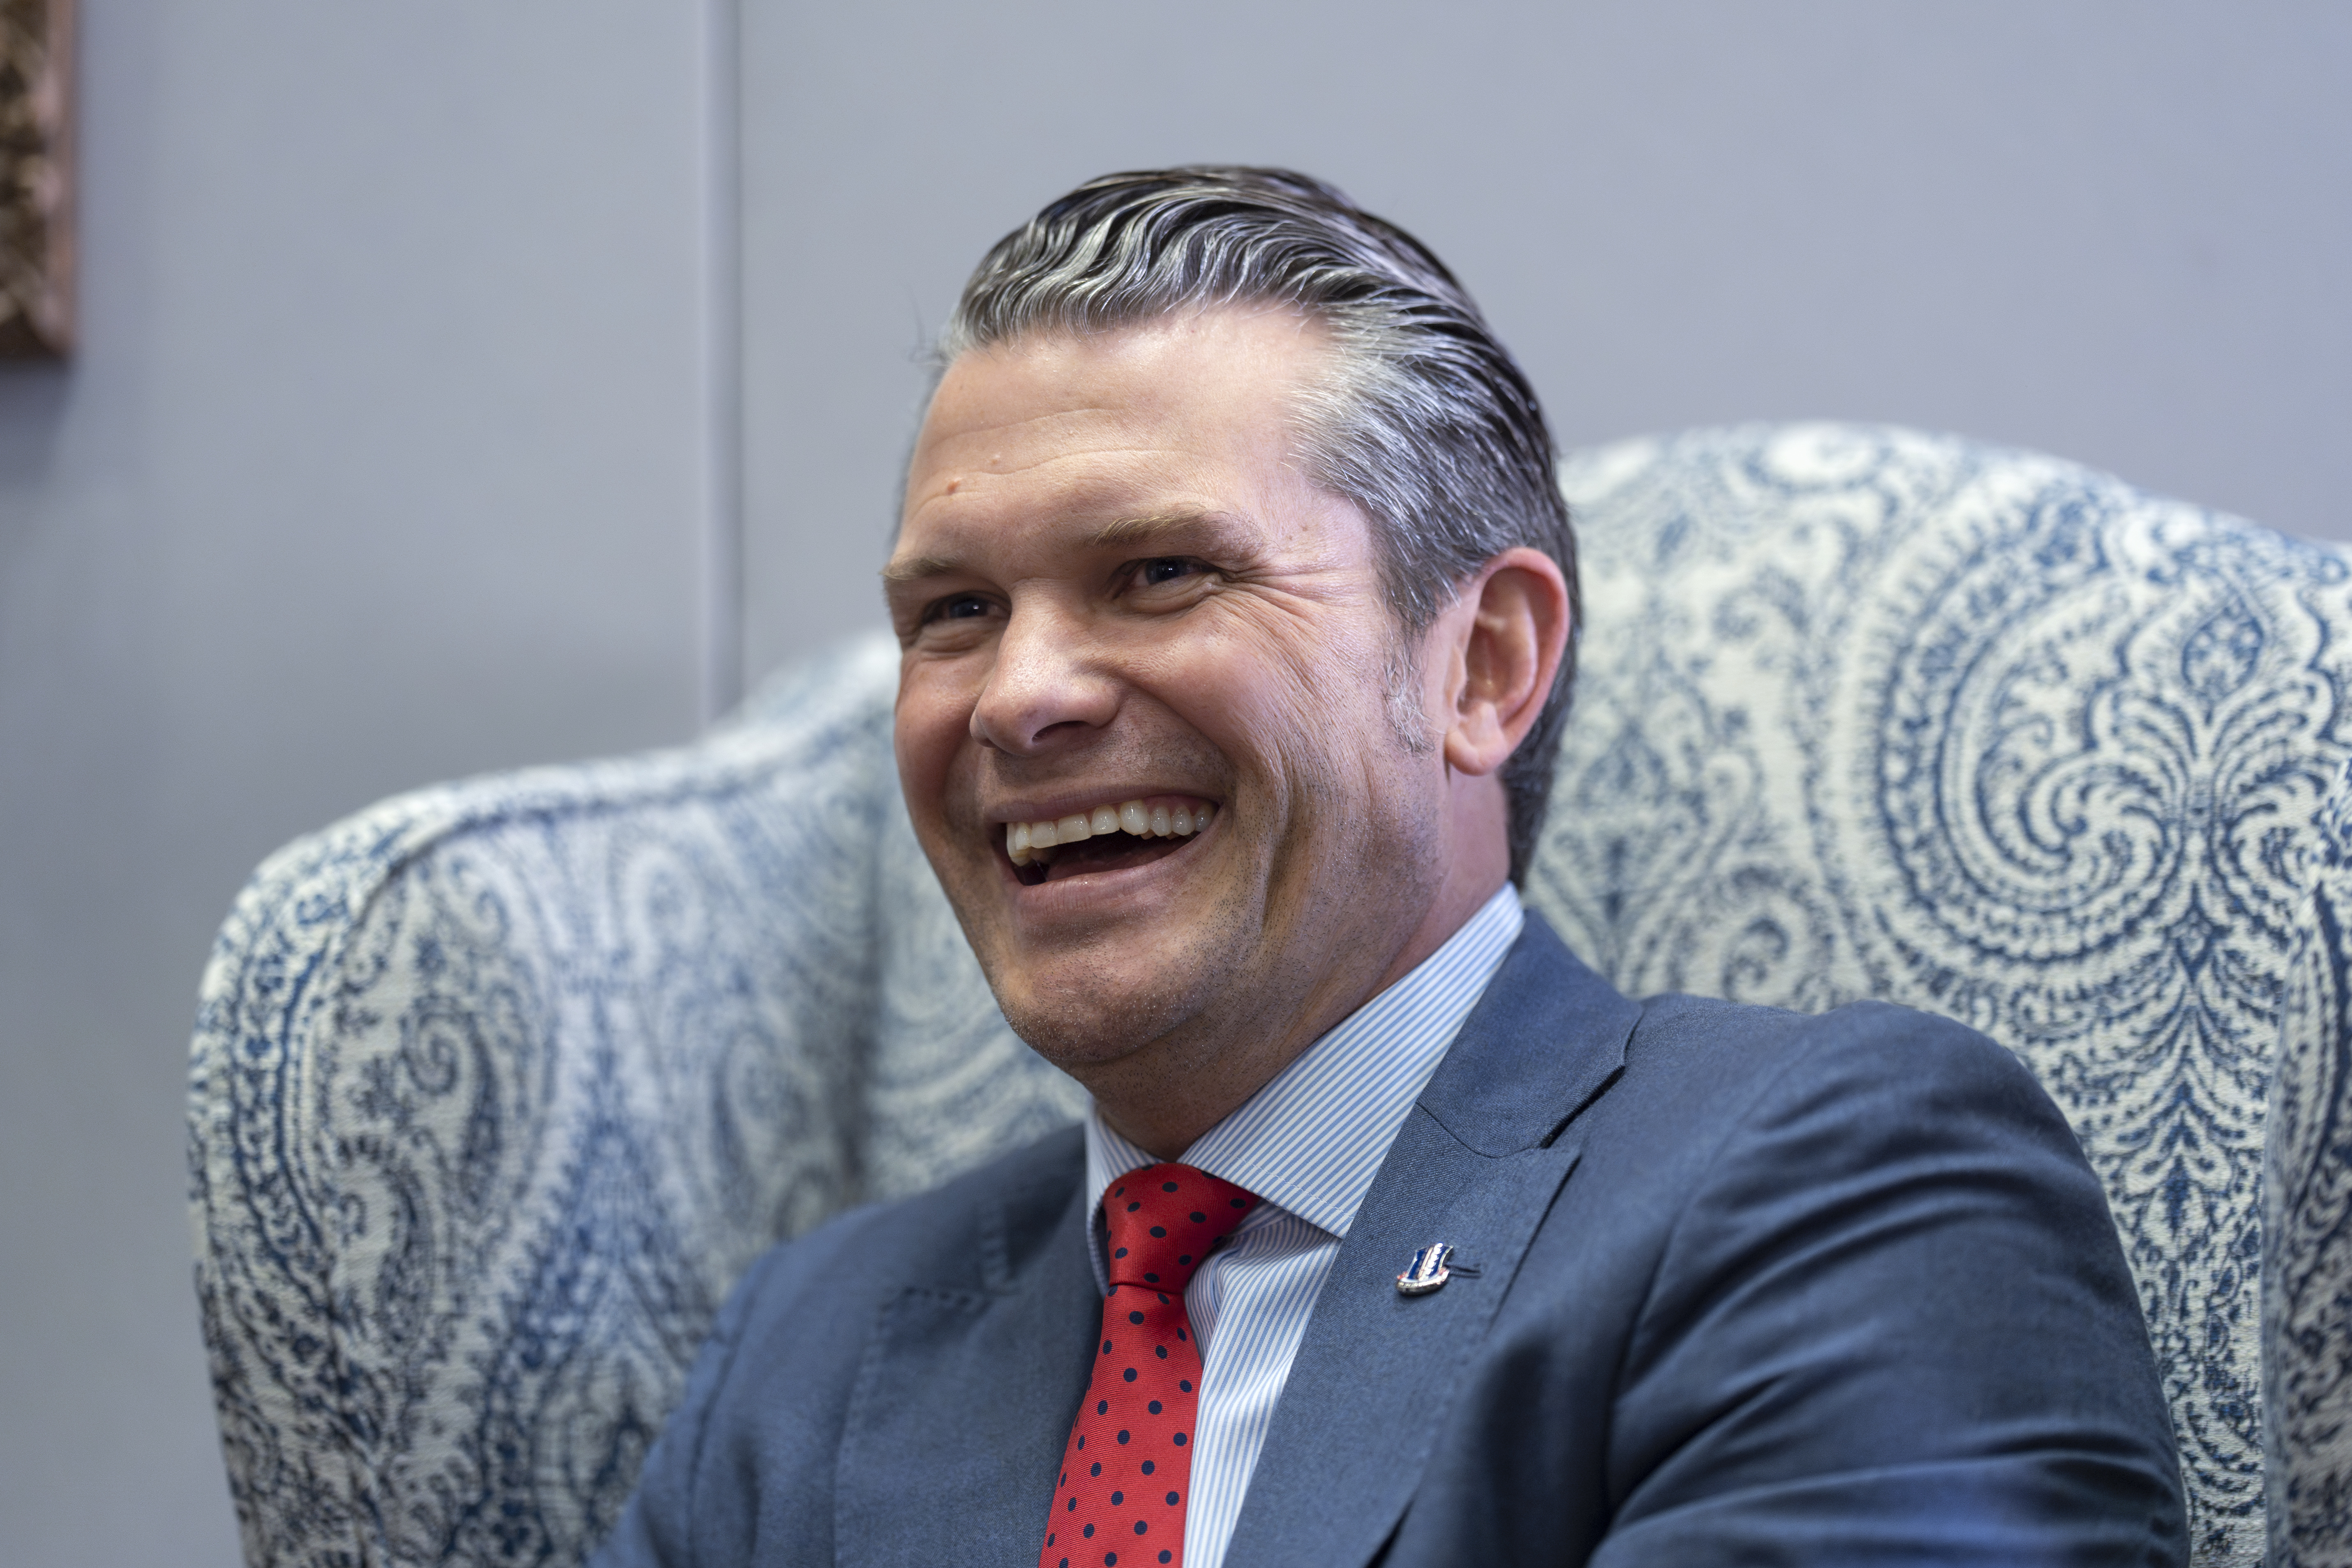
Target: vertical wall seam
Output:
[{"x": 722, "y": 332}]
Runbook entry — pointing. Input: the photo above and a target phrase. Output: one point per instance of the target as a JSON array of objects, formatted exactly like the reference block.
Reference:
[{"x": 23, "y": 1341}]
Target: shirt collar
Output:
[{"x": 1312, "y": 1139}]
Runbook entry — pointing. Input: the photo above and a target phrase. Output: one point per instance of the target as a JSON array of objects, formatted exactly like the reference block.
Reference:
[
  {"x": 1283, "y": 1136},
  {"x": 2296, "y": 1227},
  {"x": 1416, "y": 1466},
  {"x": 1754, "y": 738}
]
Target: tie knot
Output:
[{"x": 1162, "y": 1220}]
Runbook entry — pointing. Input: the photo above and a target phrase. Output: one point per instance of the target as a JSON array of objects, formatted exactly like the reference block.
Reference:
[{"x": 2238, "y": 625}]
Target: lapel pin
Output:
[{"x": 1428, "y": 1271}]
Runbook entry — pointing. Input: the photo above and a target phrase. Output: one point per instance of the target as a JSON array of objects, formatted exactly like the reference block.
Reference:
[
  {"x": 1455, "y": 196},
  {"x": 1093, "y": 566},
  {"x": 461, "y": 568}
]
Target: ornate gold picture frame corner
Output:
[{"x": 36, "y": 179}]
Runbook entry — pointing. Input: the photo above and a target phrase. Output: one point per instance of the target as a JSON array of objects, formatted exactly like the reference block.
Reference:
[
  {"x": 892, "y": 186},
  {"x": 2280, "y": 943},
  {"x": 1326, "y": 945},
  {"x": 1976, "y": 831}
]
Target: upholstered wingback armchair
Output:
[{"x": 498, "y": 1085}]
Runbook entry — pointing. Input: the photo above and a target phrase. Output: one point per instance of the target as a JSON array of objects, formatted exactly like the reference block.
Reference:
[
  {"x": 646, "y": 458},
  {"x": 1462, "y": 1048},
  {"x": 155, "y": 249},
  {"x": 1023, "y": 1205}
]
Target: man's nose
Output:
[{"x": 1048, "y": 685}]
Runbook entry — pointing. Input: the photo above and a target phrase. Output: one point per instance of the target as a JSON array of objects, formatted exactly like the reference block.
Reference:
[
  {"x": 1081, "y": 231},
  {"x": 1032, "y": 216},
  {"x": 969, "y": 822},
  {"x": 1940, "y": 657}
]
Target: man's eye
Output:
[
  {"x": 1167, "y": 569},
  {"x": 963, "y": 607}
]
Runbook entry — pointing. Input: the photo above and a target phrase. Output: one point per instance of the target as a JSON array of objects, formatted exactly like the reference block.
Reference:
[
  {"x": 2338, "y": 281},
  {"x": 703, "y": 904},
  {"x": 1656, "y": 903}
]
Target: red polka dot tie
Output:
[{"x": 1128, "y": 1471}]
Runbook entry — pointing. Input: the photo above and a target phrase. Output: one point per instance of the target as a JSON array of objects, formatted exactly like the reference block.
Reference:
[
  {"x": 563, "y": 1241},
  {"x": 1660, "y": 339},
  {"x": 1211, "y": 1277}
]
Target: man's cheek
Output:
[{"x": 927, "y": 737}]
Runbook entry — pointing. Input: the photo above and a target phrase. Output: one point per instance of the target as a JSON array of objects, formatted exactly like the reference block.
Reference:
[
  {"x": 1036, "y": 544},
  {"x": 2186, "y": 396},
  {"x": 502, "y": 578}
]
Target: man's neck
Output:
[{"x": 1164, "y": 1112}]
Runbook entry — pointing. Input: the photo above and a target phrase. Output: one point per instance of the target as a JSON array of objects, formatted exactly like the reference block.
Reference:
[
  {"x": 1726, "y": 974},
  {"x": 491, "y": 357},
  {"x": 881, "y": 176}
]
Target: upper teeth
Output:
[{"x": 1161, "y": 821}]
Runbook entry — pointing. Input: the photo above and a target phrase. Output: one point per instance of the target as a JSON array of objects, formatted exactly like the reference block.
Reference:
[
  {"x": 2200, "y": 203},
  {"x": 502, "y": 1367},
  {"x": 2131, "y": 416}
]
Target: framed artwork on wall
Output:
[{"x": 36, "y": 179}]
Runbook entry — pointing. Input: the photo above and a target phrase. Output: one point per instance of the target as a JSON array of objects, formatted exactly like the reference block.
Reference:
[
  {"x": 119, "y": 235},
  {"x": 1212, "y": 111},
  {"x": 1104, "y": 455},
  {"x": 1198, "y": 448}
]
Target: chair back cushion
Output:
[{"x": 1868, "y": 714}]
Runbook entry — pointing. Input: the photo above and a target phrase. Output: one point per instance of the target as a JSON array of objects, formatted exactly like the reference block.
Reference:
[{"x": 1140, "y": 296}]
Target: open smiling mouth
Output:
[{"x": 1108, "y": 838}]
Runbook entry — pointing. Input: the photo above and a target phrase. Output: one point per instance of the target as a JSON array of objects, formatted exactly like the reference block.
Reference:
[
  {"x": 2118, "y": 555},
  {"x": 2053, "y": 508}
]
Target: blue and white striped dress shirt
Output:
[{"x": 1309, "y": 1144}]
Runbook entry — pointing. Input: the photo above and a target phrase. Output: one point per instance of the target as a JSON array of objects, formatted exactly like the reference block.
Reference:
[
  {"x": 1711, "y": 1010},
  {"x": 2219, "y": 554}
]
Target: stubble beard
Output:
[{"x": 1221, "y": 996}]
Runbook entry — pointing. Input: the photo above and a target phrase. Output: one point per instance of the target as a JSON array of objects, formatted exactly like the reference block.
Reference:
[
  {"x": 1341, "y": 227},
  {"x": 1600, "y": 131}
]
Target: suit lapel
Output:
[
  {"x": 954, "y": 1431},
  {"x": 1477, "y": 1163}
]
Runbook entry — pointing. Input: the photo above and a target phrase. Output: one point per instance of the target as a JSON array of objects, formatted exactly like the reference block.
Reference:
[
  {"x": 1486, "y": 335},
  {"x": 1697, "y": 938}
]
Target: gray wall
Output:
[
  {"x": 395, "y": 446},
  {"x": 384, "y": 460}
]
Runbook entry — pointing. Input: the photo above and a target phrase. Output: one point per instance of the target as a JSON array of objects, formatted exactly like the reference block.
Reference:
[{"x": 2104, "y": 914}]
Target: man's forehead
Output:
[
  {"x": 986, "y": 431},
  {"x": 1172, "y": 437},
  {"x": 1036, "y": 443}
]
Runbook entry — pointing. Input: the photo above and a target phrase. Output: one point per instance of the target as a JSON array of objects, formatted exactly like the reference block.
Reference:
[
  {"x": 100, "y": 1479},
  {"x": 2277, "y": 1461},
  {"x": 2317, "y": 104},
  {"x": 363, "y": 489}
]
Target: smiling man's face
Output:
[{"x": 1120, "y": 598}]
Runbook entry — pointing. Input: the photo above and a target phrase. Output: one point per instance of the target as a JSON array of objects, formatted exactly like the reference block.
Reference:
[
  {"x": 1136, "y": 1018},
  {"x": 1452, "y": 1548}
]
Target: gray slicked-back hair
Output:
[{"x": 1428, "y": 426}]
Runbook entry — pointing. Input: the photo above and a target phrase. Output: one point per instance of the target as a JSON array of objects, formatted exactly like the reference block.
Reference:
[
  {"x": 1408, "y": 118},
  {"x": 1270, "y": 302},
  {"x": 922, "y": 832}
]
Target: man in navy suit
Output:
[{"x": 1236, "y": 599}]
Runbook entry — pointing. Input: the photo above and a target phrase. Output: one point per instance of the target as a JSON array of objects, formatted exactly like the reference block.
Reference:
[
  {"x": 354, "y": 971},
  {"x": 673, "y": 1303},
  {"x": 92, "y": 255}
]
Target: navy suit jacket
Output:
[{"x": 1734, "y": 1286}]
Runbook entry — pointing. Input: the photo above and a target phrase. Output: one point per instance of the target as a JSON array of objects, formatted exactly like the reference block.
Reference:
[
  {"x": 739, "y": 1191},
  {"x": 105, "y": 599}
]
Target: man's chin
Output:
[{"x": 1085, "y": 1017}]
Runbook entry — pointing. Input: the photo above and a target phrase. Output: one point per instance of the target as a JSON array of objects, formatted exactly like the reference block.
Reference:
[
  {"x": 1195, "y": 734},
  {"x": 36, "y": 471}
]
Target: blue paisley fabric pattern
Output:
[
  {"x": 499, "y": 1086},
  {"x": 2307, "y": 1227}
]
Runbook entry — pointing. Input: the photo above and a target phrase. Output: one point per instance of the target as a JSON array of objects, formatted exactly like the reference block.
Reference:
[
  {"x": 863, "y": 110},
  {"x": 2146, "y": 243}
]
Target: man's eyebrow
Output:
[
  {"x": 1117, "y": 533},
  {"x": 920, "y": 567},
  {"x": 1133, "y": 530}
]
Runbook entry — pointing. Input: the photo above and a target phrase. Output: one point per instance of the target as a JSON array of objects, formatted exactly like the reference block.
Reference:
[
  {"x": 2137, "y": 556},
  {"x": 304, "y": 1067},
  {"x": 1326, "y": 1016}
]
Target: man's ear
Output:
[{"x": 1506, "y": 634}]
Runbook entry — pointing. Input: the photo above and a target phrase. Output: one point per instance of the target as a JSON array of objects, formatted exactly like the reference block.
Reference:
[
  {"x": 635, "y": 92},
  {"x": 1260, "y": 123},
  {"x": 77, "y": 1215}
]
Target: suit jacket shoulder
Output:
[
  {"x": 1835, "y": 1289},
  {"x": 945, "y": 1336}
]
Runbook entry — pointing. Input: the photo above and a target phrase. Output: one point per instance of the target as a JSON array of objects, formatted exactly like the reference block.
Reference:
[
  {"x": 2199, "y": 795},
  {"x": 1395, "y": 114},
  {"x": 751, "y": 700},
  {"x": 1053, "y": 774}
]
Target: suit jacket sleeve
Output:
[{"x": 1891, "y": 1322}]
